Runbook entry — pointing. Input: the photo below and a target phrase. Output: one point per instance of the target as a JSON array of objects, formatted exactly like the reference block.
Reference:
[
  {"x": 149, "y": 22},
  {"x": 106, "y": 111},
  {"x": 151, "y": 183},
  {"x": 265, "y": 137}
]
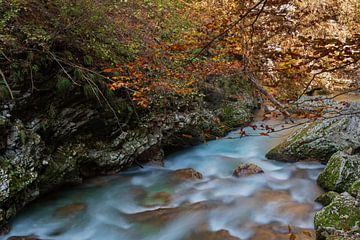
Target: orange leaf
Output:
[{"x": 188, "y": 136}]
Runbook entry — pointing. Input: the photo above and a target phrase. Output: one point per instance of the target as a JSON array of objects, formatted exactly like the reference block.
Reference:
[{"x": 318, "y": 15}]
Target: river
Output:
[{"x": 153, "y": 203}]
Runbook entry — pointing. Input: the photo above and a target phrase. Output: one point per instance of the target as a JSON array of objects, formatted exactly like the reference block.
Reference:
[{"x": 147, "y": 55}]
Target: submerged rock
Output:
[
  {"x": 319, "y": 140},
  {"x": 340, "y": 218},
  {"x": 340, "y": 173},
  {"x": 70, "y": 210},
  {"x": 247, "y": 169},
  {"x": 162, "y": 215},
  {"x": 23, "y": 238},
  {"x": 269, "y": 232},
  {"x": 209, "y": 235},
  {"x": 186, "y": 174}
]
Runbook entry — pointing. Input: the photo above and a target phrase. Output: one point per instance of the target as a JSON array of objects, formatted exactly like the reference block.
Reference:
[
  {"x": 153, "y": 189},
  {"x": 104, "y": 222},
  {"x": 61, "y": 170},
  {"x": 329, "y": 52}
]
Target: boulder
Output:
[
  {"x": 247, "y": 169},
  {"x": 209, "y": 235},
  {"x": 23, "y": 238},
  {"x": 321, "y": 139},
  {"x": 340, "y": 173},
  {"x": 70, "y": 210},
  {"x": 354, "y": 189},
  {"x": 326, "y": 198},
  {"x": 340, "y": 218},
  {"x": 186, "y": 174}
]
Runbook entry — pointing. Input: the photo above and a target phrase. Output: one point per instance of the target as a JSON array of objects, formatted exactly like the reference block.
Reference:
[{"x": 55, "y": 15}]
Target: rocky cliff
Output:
[{"x": 48, "y": 140}]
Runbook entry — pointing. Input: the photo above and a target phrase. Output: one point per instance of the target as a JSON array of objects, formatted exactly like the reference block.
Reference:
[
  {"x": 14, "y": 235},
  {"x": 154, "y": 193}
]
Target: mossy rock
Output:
[
  {"x": 340, "y": 173},
  {"x": 235, "y": 114},
  {"x": 340, "y": 238},
  {"x": 326, "y": 198},
  {"x": 354, "y": 190},
  {"x": 340, "y": 217},
  {"x": 319, "y": 140}
]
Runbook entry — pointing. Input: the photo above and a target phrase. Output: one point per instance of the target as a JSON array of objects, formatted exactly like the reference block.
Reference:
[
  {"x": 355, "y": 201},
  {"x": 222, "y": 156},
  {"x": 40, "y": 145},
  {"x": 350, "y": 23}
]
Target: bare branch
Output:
[{"x": 6, "y": 84}]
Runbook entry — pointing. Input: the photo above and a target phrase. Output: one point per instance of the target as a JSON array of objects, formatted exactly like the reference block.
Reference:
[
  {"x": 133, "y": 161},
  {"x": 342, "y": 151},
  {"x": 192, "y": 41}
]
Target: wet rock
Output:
[
  {"x": 295, "y": 210},
  {"x": 340, "y": 173},
  {"x": 162, "y": 215},
  {"x": 156, "y": 199},
  {"x": 247, "y": 169},
  {"x": 70, "y": 210},
  {"x": 354, "y": 189},
  {"x": 23, "y": 238},
  {"x": 273, "y": 196},
  {"x": 186, "y": 174},
  {"x": 163, "y": 197},
  {"x": 208, "y": 235},
  {"x": 340, "y": 217},
  {"x": 320, "y": 140},
  {"x": 271, "y": 232},
  {"x": 326, "y": 198}
]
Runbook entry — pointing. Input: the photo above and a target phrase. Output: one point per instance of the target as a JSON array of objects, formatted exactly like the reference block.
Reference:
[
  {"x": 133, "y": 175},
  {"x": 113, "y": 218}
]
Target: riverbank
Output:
[
  {"x": 49, "y": 140},
  {"x": 194, "y": 196},
  {"x": 334, "y": 140}
]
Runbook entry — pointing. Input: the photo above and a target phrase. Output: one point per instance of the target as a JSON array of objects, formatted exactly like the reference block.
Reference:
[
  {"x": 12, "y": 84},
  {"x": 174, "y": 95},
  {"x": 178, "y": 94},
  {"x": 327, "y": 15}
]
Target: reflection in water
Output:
[{"x": 151, "y": 203}]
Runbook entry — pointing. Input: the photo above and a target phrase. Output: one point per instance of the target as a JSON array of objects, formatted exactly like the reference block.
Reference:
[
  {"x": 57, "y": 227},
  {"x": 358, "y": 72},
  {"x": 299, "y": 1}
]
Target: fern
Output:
[{"x": 63, "y": 85}]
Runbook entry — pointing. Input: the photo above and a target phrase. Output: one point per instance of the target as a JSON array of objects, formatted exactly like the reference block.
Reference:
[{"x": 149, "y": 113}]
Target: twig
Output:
[
  {"x": 67, "y": 74},
  {"x": 226, "y": 30},
  {"x": 6, "y": 84}
]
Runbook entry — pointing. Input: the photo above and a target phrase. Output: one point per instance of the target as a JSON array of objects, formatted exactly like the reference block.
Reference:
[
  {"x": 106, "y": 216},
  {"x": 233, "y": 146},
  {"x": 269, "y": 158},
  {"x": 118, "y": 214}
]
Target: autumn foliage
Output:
[{"x": 291, "y": 47}]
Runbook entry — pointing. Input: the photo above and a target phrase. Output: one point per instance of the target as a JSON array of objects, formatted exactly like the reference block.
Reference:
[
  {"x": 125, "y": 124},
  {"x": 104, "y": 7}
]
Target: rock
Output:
[
  {"x": 161, "y": 215},
  {"x": 186, "y": 174},
  {"x": 273, "y": 196},
  {"x": 23, "y": 238},
  {"x": 354, "y": 189},
  {"x": 295, "y": 210},
  {"x": 163, "y": 197},
  {"x": 209, "y": 235},
  {"x": 247, "y": 169},
  {"x": 326, "y": 198},
  {"x": 320, "y": 140},
  {"x": 156, "y": 199},
  {"x": 271, "y": 232},
  {"x": 340, "y": 173},
  {"x": 70, "y": 210},
  {"x": 48, "y": 140},
  {"x": 340, "y": 217}
]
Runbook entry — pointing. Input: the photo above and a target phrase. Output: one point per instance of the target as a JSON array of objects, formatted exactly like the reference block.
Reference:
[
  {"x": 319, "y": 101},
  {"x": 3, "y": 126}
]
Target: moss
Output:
[
  {"x": 340, "y": 173},
  {"x": 19, "y": 179},
  {"x": 326, "y": 198},
  {"x": 341, "y": 215},
  {"x": 328, "y": 178},
  {"x": 63, "y": 85},
  {"x": 22, "y": 137},
  {"x": 235, "y": 114},
  {"x": 354, "y": 189},
  {"x": 286, "y": 150}
]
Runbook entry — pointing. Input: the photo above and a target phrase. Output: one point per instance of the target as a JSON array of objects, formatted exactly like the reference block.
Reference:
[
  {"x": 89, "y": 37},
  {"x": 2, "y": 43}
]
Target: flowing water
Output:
[{"x": 152, "y": 203}]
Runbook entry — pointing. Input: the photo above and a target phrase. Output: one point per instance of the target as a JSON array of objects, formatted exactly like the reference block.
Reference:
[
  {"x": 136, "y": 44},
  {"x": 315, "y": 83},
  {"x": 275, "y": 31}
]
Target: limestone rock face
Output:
[
  {"x": 340, "y": 218},
  {"x": 340, "y": 173},
  {"x": 49, "y": 139},
  {"x": 320, "y": 140}
]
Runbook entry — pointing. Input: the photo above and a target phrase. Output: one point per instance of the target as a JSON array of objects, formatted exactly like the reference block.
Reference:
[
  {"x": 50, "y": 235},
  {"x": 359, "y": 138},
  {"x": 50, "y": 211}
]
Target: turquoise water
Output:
[{"x": 150, "y": 203}]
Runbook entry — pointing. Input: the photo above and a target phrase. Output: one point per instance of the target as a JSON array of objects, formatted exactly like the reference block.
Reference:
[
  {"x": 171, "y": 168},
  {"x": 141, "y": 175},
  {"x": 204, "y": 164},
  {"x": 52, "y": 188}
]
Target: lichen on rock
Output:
[
  {"x": 340, "y": 218},
  {"x": 319, "y": 140},
  {"x": 340, "y": 173}
]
